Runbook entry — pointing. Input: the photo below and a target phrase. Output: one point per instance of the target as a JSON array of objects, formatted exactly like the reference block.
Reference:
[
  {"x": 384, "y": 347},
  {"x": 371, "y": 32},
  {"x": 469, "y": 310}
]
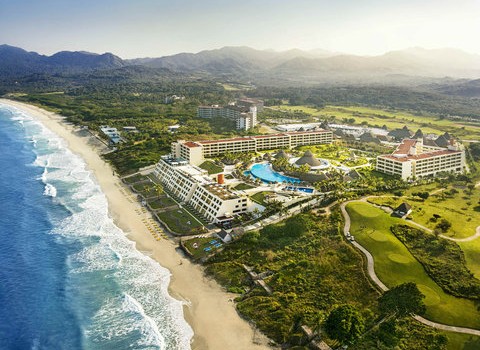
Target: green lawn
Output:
[
  {"x": 463, "y": 216},
  {"x": 336, "y": 153},
  {"x": 460, "y": 209},
  {"x": 243, "y": 186},
  {"x": 146, "y": 189},
  {"x": 202, "y": 243},
  {"x": 458, "y": 341},
  {"x": 135, "y": 178},
  {"x": 395, "y": 265},
  {"x": 260, "y": 198},
  {"x": 211, "y": 167},
  {"x": 180, "y": 221},
  {"x": 161, "y": 202},
  {"x": 472, "y": 255}
]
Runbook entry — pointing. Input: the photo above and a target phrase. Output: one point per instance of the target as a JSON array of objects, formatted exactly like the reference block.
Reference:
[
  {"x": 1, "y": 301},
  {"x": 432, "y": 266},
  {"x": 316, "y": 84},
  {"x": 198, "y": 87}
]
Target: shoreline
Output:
[{"x": 208, "y": 308}]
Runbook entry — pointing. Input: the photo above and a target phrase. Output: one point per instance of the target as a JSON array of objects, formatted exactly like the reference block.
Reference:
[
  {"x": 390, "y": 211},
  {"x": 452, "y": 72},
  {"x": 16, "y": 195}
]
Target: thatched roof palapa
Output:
[
  {"x": 309, "y": 159},
  {"x": 281, "y": 154}
]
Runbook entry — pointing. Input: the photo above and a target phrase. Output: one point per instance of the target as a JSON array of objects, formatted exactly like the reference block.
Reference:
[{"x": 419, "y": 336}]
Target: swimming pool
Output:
[
  {"x": 301, "y": 189},
  {"x": 264, "y": 172}
]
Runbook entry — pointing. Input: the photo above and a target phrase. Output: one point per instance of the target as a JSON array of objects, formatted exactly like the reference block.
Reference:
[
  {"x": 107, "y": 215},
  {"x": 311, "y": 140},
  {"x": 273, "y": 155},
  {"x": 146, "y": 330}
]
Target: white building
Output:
[
  {"x": 245, "y": 116},
  {"x": 191, "y": 185},
  {"x": 196, "y": 152},
  {"x": 412, "y": 160}
]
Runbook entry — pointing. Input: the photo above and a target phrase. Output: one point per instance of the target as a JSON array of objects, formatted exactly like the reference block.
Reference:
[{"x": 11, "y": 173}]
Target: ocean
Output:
[{"x": 69, "y": 278}]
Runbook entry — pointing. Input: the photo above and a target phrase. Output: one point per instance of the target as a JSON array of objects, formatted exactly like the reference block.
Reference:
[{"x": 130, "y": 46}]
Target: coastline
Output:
[{"x": 208, "y": 309}]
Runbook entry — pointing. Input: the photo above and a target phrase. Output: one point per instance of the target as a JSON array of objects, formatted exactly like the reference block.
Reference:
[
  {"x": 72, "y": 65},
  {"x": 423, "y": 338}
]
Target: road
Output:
[{"x": 383, "y": 287}]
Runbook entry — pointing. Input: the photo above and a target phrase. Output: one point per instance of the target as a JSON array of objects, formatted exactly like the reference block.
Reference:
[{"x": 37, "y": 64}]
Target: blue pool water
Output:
[
  {"x": 264, "y": 172},
  {"x": 302, "y": 189},
  {"x": 69, "y": 278}
]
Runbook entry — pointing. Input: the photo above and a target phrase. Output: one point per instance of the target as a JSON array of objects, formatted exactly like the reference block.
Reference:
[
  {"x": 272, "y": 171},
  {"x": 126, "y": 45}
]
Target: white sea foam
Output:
[
  {"x": 50, "y": 190},
  {"x": 139, "y": 313}
]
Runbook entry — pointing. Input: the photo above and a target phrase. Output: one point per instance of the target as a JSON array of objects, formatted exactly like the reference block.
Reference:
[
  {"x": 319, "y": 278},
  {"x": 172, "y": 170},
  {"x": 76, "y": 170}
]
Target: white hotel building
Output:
[
  {"x": 245, "y": 117},
  {"x": 412, "y": 160},
  {"x": 191, "y": 185},
  {"x": 196, "y": 152}
]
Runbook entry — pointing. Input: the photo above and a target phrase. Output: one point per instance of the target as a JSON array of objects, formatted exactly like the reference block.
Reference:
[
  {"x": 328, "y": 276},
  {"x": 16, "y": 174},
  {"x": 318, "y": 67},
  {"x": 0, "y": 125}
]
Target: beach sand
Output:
[{"x": 209, "y": 309}]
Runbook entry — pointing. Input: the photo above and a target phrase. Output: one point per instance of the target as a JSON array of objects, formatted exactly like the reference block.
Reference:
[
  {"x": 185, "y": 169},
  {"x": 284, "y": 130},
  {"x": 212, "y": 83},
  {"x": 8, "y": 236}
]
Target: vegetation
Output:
[
  {"x": 402, "y": 300},
  {"x": 180, "y": 221},
  {"x": 259, "y": 197},
  {"x": 394, "y": 264},
  {"x": 301, "y": 255},
  {"x": 345, "y": 324},
  {"x": 161, "y": 202},
  {"x": 387, "y": 98},
  {"x": 442, "y": 259},
  {"x": 453, "y": 202},
  {"x": 211, "y": 167},
  {"x": 243, "y": 186},
  {"x": 310, "y": 269}
]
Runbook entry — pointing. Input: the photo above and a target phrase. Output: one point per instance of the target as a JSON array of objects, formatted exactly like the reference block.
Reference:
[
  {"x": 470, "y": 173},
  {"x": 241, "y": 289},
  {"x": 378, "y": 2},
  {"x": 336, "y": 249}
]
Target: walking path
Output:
[
  {"x": 466, "y": 239},
  {"x": 383, "y": 287}
]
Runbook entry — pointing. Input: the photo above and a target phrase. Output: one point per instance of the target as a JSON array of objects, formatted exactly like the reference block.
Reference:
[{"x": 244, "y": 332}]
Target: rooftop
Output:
[
  {"x": 191, "y": 144},
  {"x": 220, "y": 191},
  {"x": 405, "y": 158},
  {"x": 405, "y": 146},
  {"x": 237, "y": 139}
]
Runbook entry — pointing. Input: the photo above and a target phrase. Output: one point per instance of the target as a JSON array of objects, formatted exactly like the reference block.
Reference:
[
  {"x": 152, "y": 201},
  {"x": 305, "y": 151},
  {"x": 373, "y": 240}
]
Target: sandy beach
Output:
[{"x": 209, "y": 309}]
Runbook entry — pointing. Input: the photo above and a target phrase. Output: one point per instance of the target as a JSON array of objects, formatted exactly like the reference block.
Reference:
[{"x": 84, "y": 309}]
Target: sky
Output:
[{"x": 153, "y": 28}]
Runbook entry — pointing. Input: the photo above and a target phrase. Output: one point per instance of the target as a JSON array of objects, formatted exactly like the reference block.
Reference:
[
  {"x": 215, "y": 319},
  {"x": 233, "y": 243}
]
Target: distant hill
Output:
[
  {"x": 228, "y": 59},
  {"x": 470, "y": 88},
  {"x": 18, "y": 62},
  {"x": 413, "y": 66},
  {"x": 322, "y": 66}
]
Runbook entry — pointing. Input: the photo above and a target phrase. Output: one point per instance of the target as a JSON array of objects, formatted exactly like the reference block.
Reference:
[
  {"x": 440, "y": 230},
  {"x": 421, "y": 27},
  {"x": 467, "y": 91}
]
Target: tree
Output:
[
  {"x": 444, "y": 225},
  {"x": 402, "y": 300},
  {"x": 345, "y": 324}
]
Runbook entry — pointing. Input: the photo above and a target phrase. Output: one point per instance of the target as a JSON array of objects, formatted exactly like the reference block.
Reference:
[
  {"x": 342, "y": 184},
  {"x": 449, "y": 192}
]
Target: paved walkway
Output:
[
  {"x": 383, "y": 287},
  {"x": 466, "y": 239}
]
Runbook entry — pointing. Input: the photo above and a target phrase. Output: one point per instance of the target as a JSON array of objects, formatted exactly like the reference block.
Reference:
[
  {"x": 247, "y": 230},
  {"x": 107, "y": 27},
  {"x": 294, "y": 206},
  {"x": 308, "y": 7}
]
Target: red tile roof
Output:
[
  {"x": 191, "y": 144},
  {"x": 420, "y": 156},
  {"x": 225, "y": 140},
  {"x": 404, "y": 147}
]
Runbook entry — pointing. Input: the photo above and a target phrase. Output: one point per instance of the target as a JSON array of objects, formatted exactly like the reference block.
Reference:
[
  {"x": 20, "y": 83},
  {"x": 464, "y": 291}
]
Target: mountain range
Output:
[{"x": 262, "y": 66}]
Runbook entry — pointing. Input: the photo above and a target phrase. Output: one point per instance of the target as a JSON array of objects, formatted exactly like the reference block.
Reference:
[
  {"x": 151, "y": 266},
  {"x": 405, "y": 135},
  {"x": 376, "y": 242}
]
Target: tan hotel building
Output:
[
  {"x": 412, "y": 160},
  {"x": 196, "y": 152}
]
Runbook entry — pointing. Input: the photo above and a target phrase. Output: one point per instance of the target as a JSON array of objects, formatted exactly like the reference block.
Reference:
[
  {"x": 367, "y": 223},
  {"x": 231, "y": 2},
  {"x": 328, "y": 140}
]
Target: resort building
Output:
[
  {"x": 196, "y": 152},
  {"x": 191, "y": 186},
  {"x": 251, "y": 102},
  {"x": 412, "y": 159},
  {"x": 245, "y": 116},
  {"x": 112, "y": 134}
]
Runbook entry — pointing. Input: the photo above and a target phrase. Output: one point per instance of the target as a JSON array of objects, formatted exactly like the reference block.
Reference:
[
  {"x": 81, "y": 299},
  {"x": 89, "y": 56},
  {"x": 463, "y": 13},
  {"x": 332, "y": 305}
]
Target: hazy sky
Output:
[{"x": 140, "y": 28}]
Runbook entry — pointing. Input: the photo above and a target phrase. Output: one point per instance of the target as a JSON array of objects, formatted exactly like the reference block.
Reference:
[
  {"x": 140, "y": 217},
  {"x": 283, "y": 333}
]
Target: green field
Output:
[
  {"x": 460, "y": 209},
  {"x": 201, "y": 244},
  {"x": 459, "y": 341},
  {"x": 161, "y": 202},
  {"x": 394, "y": 265},
  {"x": 211, "y": 167},
  {"x": 259, "y": 197},
  {"x": 180, "y": 221},
  {"x": 391, "y": 119},
  {"x": 336, "y": 154},
  {"x": 472, "y": 255},
  {"x": 243, "y": 186}
]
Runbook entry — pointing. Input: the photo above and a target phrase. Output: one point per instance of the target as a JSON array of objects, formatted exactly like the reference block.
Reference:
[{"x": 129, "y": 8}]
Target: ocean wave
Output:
[
  {"x": 136, "y": 310},
  {"x": 50, "y": 190}
]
